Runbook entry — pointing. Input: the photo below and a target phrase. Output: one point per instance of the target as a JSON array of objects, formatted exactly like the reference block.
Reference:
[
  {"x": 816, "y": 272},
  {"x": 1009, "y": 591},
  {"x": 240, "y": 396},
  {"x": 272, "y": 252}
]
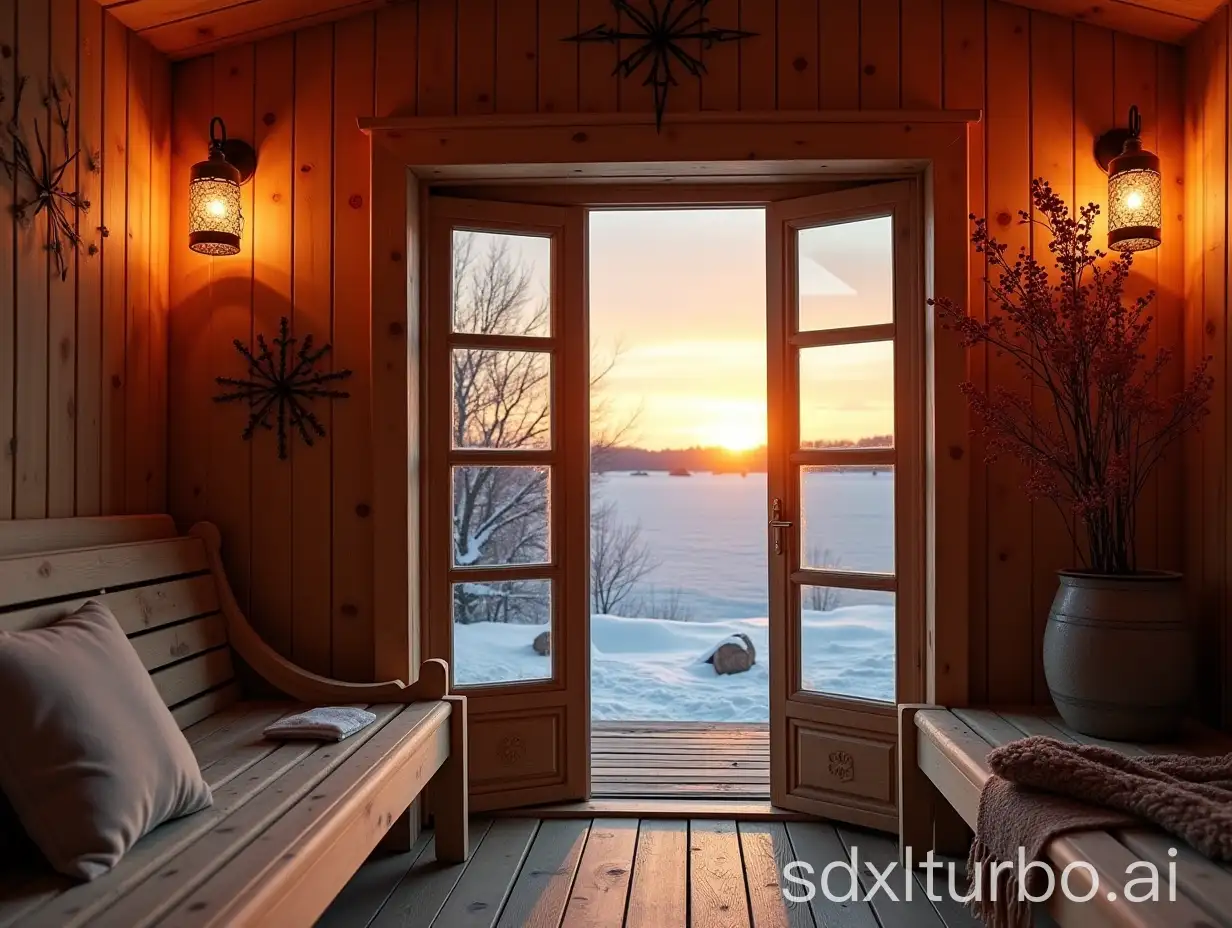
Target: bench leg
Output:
[
  {"x": 449, "y": 791},
  {"x": 404, "y": 832},
  {"x": 915, "y": 792}
]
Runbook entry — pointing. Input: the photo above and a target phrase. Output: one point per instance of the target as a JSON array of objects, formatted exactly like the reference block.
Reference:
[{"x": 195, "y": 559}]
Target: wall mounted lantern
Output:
[
  {"x": 215, "y": 222},
  {"x": 1135, "y": 191}
]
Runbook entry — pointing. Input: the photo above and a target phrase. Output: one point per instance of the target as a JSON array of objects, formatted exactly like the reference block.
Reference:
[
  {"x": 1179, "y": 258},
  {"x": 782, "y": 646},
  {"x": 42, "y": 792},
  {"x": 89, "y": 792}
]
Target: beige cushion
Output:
[{"x": 90, "y": 757}]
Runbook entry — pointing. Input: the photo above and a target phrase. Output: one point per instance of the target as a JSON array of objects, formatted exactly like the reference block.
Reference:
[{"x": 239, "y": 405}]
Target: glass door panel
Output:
[
  {"x": 505, "y": 591},
  {"x": 845, "y": 313}
]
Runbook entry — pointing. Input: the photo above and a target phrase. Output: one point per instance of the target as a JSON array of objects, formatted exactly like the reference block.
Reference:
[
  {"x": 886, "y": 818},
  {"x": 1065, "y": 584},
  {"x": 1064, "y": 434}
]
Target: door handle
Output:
[{"x": 777, "y": 524}]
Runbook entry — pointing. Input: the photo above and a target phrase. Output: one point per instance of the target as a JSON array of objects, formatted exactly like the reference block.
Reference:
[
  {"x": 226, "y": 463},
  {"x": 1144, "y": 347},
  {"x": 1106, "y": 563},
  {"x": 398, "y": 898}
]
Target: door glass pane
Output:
[
  {"x": 847, "y": 518},
  {"x": 501, "y": 516},
  {"x": 845, "y": 274},
  {"x": 502, "y": 399},
  {"x": 502, "y": 283},
  {"x": 501, "y": 632},
  {"x": 847, "y": 396},
  {"x": 847, "y": 642}
]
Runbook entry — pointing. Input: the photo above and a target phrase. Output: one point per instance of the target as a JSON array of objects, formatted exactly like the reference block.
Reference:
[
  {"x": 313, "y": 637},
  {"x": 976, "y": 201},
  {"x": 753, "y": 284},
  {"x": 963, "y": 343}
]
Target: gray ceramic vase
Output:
[{"x": 1118, "y": 656}]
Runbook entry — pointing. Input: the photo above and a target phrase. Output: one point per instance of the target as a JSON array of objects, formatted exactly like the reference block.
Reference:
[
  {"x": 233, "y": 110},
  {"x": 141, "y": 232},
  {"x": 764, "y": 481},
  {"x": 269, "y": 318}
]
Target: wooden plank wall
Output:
[
  {"x": 1049, "y": 86},
  {"x": 1208, "y": 333},
  {"x": 83, "y": 361}
]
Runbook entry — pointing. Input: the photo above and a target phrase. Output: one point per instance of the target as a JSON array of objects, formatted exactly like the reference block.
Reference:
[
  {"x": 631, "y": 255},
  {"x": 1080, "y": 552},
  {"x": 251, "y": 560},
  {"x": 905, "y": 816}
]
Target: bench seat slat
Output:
[
  {"x": 31, "y": 578},
  {"x": 19, "y": 536},
  {"x": 147, "y": 903},
  {"x": 281, "y": 878},
  {"x": 157, "y": 851}
]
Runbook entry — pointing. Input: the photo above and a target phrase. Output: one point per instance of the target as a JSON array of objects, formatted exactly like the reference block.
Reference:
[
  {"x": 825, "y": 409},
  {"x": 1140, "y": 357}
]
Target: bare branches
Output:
[
  {"x": 1092, "y": 445},
  {"x": 619, "y": 559}
]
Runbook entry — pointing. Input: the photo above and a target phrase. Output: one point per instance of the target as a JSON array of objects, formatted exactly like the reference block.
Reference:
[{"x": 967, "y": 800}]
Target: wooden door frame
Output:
[{"x": 410, "y": 152}]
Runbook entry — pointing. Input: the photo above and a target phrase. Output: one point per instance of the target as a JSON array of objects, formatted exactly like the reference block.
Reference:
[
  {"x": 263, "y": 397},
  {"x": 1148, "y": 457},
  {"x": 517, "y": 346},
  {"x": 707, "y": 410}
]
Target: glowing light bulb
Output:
[
  {"x": 216, "y": 208},
  {"x": 1134, "y": 200}
]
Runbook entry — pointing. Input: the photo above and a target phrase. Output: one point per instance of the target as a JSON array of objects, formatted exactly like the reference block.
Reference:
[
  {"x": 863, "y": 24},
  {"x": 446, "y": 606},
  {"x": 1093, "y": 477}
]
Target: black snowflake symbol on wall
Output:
[
  {"x": 280, "y": 381},
  {"x": 661, "y": 32}
]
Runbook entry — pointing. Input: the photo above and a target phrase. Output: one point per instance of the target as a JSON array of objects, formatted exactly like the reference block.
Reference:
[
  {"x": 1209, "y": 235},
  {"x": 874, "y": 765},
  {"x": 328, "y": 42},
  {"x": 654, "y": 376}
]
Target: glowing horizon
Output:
[{"x": 682, "y": 294}]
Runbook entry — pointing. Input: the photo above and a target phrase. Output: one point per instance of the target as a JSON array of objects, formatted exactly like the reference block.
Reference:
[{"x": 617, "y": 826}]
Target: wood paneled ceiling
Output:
[{"x": 184, "y": 28}]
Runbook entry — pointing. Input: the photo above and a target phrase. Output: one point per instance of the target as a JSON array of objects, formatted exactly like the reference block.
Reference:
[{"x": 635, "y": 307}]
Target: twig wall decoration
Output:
[
  {"x": 661, "y": 32},
  {"x": 40, "y": 178},
  {"x": 279, "y": 383}
]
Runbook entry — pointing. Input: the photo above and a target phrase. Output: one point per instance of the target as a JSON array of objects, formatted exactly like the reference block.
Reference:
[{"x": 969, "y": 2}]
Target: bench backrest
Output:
[{"x": 157, "y": 583}]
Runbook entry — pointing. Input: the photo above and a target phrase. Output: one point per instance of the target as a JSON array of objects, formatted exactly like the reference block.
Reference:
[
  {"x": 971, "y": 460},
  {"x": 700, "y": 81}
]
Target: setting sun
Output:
[{"x": 738, "y": 433}]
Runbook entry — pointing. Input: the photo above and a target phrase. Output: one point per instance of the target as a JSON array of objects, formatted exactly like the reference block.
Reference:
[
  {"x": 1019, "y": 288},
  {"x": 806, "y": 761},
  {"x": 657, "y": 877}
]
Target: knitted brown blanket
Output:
[{"x": 1042, "y": 788}]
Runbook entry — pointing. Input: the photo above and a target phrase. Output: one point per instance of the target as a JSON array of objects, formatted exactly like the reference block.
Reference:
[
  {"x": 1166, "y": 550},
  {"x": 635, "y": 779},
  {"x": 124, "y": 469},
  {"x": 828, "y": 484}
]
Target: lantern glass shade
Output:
[
  {"x": 215, "y": 222},
  {"x": 1135, "y": 200}
]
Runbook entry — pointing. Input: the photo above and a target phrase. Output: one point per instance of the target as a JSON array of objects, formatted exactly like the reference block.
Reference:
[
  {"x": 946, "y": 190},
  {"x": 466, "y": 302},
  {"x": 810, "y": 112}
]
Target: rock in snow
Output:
[
  {"x": 542, "y": 643},
  {"x": 734, "y": 654}
]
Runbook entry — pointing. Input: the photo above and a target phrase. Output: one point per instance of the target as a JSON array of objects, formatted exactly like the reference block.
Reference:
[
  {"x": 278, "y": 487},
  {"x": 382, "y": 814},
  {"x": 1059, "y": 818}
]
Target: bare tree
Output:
[
  {"x": 822, "y": 598},
  {"x": 500, "y": 400},
  {"x": 619, "y": 559}
]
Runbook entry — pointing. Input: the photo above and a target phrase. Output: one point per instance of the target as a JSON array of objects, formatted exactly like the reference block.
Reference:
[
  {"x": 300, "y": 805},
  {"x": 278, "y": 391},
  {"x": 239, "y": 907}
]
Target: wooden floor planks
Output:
[
  {"x": 676, "y": 761},
  {"x": 631, "y": 873}
]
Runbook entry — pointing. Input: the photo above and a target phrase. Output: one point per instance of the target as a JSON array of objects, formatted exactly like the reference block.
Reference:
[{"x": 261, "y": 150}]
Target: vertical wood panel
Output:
[
  {"x": 758, "y": 56},
  {"x": 88, "y": 398},
  {"x": 799, "y": 55},
  {"x": 1170, "y": 295},
  {"x": 139, "y": 411},
  {"x": 1052, "y": 157},
  {"x": 62, "y": 297},
  {"x": 397, "y": 30},
  {"x": 1213, "y": 632},
  {"x": 230, "y": 316},
  {"x": 557, "y": 59},
  {"x": 1134, "y": 67},
  {"x": 597, "y": 86},
  {"x": 34, "y": 64},
  {"x": 273, "y": 519},
  {"x": 352, "y": 488},
  {"x": 879, "y": 54},
  {"x": 476, "y": 61},
  {"x": 517, "y": 65},
  {"x": 312, "y": 235},
  {"x": 192, "y": 370},
  {"x": 437, "y": 58},
  {"x": 8, "y": 256},
  {"x": 840, "y": 65},
  {"x": 921, "y": 55},
  {"x": 721, "y": 80},
  {"x": 159, "y": 229},
  {"x": 114, "y": 220},
  {"x": 964, "y": 87},
  {"x": 1010, "y": 639}
]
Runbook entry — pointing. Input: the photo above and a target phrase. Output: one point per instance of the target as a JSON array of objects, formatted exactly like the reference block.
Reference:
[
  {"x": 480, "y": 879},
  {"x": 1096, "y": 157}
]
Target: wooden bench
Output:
[
  {"x": 943, "y": 767},
  {"x": 291, "y": 821}
]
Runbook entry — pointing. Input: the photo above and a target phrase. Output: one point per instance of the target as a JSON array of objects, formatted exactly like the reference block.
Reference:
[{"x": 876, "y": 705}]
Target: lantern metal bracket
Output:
[
  {"x": 1112, "y": 143},
  {"x": 238, "y": 153}
]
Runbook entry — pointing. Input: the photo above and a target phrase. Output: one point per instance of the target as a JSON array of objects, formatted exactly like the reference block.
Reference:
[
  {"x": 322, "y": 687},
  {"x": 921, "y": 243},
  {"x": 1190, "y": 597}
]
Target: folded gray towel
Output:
[{"x": 325, "y": 723}]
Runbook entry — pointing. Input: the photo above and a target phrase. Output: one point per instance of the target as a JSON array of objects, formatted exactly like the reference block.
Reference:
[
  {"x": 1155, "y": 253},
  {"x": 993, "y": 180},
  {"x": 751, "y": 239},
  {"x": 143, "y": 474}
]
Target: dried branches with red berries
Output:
[{"x": 1089, "y": 424}]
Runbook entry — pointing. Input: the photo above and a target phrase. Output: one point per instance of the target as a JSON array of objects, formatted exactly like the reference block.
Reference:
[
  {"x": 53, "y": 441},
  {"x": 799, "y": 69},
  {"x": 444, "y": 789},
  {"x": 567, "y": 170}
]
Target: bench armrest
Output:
[{"x": 295, "y": 681}]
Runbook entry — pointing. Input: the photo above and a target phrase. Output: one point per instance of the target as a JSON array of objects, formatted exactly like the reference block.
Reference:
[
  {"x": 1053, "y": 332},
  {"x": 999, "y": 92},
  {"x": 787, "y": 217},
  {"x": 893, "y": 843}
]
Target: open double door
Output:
[{"x": 506, "y": 464}]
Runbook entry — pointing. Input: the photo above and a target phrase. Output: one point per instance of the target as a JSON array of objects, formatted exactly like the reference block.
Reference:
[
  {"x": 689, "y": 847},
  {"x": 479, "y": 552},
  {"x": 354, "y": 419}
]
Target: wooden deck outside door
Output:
[
  {"x": 506, "y": 495},
  {"x": 846, "y": 363}
]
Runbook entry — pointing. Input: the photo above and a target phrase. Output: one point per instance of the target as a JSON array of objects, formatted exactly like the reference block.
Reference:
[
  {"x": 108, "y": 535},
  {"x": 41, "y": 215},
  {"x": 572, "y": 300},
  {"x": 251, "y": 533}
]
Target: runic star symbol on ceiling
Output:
[
  {"x": 279, "y": 383},
  {"x": 661, "y": 32}
]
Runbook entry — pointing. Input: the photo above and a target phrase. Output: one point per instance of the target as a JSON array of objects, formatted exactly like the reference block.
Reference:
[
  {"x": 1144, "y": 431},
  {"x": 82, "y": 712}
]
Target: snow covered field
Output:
[
  {"x": 652, "y": 670},
  {"x": 707, "y": 534}
]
